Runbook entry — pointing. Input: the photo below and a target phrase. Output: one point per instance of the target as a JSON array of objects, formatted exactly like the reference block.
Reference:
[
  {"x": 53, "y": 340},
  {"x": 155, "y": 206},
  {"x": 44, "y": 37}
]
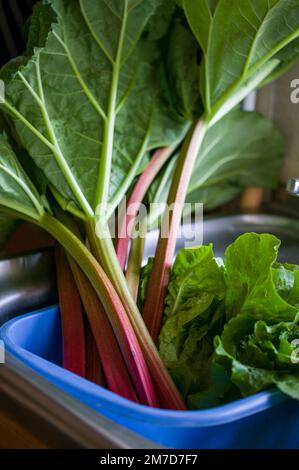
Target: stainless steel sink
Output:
[
  {"x": 221, "y": 231},
  {"x": 27, "y": 282}
]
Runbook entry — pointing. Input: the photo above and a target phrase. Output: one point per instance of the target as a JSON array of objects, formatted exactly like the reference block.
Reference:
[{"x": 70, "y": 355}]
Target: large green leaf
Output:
[
  {"x": 288, "y": 57},
  {"x": 16, "y": 190},
  {"x": 241, "y": 149},
  {"x": 39, "y": 26},
  {"x": 199, "y": 16},
  {"x": 183, "y": 70},
  {"x": 243, "y": 43},
  {"x": 85, "y": 105}
]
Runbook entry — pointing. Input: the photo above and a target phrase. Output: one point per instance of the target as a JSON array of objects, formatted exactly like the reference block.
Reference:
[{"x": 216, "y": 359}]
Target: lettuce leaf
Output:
[
  {"x": 232, "y": 330},
  {"x": 260, "y": 355},
  {"x": 249, "y": 279},
  {"x": 193, "y": 310}
]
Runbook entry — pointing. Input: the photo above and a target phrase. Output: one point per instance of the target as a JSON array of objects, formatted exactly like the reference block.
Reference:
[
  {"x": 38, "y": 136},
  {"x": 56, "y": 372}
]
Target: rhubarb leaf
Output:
[
  {"x": 183, "y": 70},
  {"x": 158, "y": 24},
  {"x": 85, "y": 104},
  {"x": 39, "y": 26},
  {"x": 215, "y": 196},
  {"x": 16, "y": 190},
  {"x": 199, "y": 15},
  {"x": 242, "y": 149},
  {"x": 243, "y": 44},
  {"x": 288, "y": 57}
]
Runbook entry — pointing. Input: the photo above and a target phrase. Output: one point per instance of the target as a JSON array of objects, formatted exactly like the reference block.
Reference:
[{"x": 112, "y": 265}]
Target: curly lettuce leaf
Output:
[
  {"x": 196, "y": 281},
  {"x": 193, "y": 313},
  {"x": 249, "y": 279},
  {"x": 262, "y": 295},
  {"x": 232, "y": 331},
  {"x": 286, "y": 279},
  {"x": 260, "y": 355}
]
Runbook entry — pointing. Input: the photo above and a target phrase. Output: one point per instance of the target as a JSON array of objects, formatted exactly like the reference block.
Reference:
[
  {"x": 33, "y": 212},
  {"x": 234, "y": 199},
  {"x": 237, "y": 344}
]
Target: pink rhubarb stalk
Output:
[
  {"x": 113, "y": 306},
  {"x": 102, "y": 245},
  {"x": 114, "y": 367},
  {"x": 72, "y": 318},
  {"x": 94, "y": 371},
  {"x": 156, "y": 163},
  {"x": 158, "y": 282}
]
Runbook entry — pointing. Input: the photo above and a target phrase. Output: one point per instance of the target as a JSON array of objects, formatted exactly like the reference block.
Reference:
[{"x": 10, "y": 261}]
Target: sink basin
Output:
[
  {"x": 266, "y": 420},
  {"x": 221, "y": 231}
]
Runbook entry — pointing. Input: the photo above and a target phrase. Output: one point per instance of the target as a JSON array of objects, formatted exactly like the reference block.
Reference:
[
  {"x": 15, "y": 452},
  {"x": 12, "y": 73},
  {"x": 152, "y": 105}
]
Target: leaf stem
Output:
[
  {"x": 102, "y": 243},
  {"x": 59, "y": 157},
  {"x": 158, "y": 282},
  {"x": 114, "y": 367},
  {"x": 157, "y": 161},
  {"x": 72, "y": 319},
  {"x": 109, "y": 127},
  {"x": 113, "y": 306},
  {"x": 25, "y": 188},
  {"x": 94, "y": 371}
]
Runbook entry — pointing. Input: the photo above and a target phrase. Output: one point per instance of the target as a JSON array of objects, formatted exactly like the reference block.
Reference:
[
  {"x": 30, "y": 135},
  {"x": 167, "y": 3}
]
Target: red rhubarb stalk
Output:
[
  {"x": 145, "y": 180},
  {"x": 158, "y": 282},
  {"x": 72, "y": 318},
  {"x": 102, "y": 245},
  {"x": 114, "y": 367},
  {"x": 94, "y": 370},
  {"x": 113, "y": 306}
]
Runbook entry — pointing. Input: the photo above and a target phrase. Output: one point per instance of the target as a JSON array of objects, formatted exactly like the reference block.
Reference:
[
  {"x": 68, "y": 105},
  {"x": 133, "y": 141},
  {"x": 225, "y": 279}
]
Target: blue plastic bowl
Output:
[{"x": 266, "y": 420}]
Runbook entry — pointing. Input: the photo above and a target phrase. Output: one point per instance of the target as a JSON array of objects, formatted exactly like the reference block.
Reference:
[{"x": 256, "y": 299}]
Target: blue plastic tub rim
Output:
[{"x": 91, "y": 393}]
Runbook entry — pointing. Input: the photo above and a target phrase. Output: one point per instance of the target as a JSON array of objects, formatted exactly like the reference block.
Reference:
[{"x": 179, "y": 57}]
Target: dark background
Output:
[{"x": 13, "y": 16}]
